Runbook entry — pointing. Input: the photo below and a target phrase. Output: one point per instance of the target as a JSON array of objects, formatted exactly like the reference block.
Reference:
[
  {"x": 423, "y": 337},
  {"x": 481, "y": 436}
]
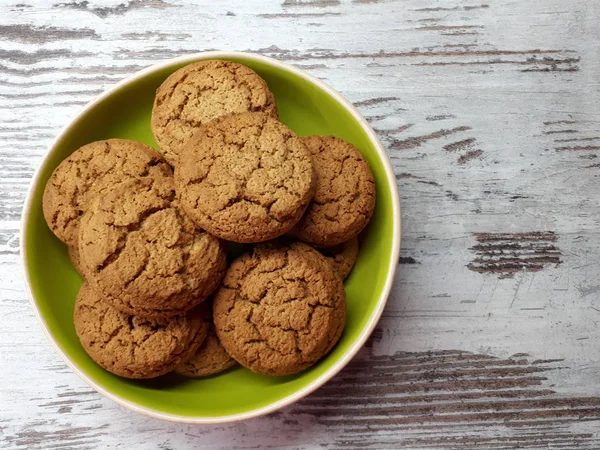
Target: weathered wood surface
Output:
[{"x": 490, "y": 112}]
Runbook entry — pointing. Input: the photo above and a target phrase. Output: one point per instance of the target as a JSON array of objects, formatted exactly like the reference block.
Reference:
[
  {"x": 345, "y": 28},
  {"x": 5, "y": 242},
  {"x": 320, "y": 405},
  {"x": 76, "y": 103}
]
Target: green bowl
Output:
[{"x": 306, "y": 105}]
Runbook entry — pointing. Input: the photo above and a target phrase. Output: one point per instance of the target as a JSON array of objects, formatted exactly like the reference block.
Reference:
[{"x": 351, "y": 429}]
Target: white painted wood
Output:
[{"x": 490, "y": 113}]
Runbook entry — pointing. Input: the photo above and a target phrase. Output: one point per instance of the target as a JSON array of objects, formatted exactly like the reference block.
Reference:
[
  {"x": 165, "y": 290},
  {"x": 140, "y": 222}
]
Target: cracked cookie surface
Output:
[
  {"x": 200, "y": 92},
  {"x": 245, "y": 178},
  {"x": 344, "y": 197},
  {"x": 280, "y": 309},
  {"x": 131, "y": 346},
  {"x": 342, "y": 257},
  {"x": 210, "y": 359},
  {"x": 86, "y": 173},
  {"x": 144, "y": 255}
]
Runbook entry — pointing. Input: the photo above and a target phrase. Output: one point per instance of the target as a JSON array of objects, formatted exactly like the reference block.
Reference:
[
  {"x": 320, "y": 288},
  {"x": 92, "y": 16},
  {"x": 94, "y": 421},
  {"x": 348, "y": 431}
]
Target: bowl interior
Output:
[{"x": 307, "y": 109}]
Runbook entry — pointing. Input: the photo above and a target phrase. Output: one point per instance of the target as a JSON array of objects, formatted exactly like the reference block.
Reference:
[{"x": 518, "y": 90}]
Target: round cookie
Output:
[
  {"x": 245, "y": 178},
  {"x": 200, "y": 92},
  {"x": 131, "y": 346},
  {"x": 86, "y": 173},
  {"x": 144, "y": 255},
  {"x": 345, "y": 193},
  {"x": 210, "y": 359},
  {"x": 342, "y": 257},
  {"x": 280, "y": 309}
]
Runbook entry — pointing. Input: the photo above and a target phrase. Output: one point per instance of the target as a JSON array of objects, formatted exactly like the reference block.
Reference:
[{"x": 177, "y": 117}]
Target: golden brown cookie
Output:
[
  {"x": 87, "y": 173},
  {"x": 133, "y": 347},
  {"x": 210, "y": 359},
  {"x": 245, "y": 178},
  {"x": 201, "y": 92},
  {"x": 144, "y": 255},
  {"x": 75, "y": 259},
  {"x": 342, "y": 257},
  {"x": 345, "y": 194},
  {"x": 280, "y": 309}
]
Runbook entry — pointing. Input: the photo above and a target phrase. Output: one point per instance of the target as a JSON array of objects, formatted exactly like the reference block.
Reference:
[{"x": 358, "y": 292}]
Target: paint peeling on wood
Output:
[
  {"x": 440, "y": 117},
  {"x": 569, "y": 131},
  {"x": 30, "y": 34},
  {"x": 561, "y": 122},
  {"x": 432, "y": 183},
  {"x": 567, "y": 136},
  {"x": 408, "y": 260},
  {"x": 460, "y": 145},
  {"x": 297, "y": 15},
  {"x": 595, "y": 138},
  {"x": 375, "y": 101},
  {"x": 545, "y": 64},
  {"x": 578, "y": 148},
  {"x": 470, "y": 155},
  {"x": 462, "y": 391},
  {"x": 452, "y": 8},
  {"x": 317, "y": 3},
  {"x": 117, "y": 10},
  {"x": 505, "y": 254},
  {"x": 415, "y": 142},
  {"x": 396, "y": 130},
  {"x": 150, "y": 35},
  {"x": 406, "y": 175},
  {"x": 448, "y": 27},
  {"x": 69, "y": 437}
]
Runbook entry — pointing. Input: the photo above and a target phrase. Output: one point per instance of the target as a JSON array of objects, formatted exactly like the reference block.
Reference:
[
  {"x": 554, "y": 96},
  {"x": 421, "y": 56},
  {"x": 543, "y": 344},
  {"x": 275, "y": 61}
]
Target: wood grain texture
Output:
[{"x": 490, "y": 114}]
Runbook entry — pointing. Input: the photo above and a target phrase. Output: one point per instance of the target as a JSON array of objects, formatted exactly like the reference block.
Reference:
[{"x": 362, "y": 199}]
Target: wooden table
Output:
[{"x": 490, "y": 112}]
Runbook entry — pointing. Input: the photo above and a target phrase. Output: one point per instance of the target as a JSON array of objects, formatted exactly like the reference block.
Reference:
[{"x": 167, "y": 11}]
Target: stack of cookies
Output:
[{"x": 151, "y": 234}]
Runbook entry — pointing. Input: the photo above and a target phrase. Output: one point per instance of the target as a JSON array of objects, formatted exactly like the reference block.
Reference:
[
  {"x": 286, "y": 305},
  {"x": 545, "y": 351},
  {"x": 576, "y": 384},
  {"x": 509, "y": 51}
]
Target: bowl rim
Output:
[{"x": 356, "y": 345}]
